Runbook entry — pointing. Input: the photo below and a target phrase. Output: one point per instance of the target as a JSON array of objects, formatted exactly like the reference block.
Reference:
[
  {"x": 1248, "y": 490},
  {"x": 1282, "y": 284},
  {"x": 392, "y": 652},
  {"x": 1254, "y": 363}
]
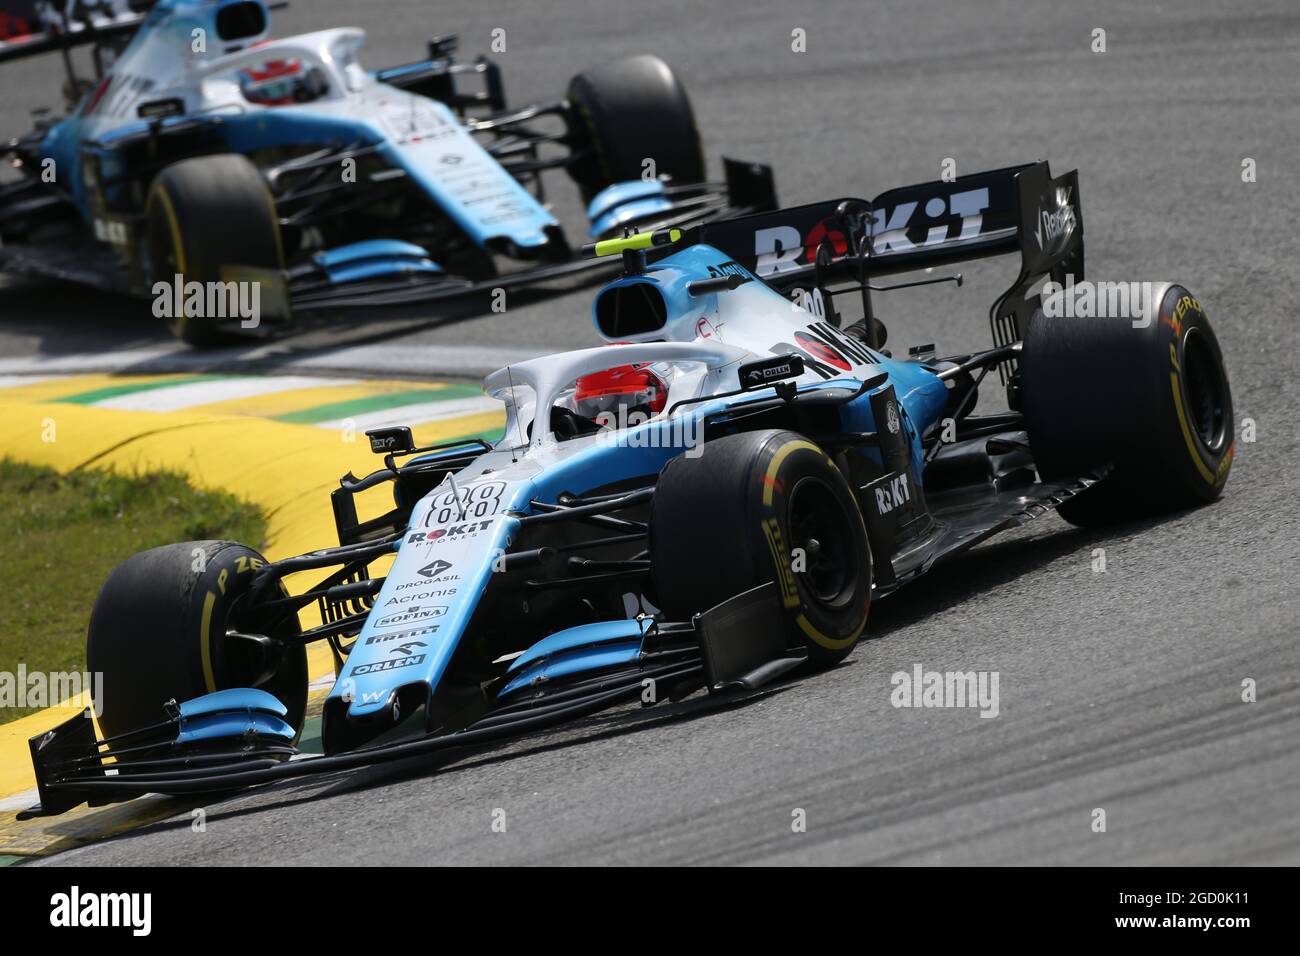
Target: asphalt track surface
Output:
[{"x": 1118, "y": 690}]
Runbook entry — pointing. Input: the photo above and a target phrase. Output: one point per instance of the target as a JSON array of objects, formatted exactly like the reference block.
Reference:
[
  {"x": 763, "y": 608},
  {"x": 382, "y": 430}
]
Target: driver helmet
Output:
[
  {"x": 281, "y": 83},
  {"x": 612, "y": 396}
]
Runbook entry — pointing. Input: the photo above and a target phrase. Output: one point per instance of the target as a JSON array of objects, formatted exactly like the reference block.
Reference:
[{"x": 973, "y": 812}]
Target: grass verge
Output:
[{"x": 60, "y": 535}]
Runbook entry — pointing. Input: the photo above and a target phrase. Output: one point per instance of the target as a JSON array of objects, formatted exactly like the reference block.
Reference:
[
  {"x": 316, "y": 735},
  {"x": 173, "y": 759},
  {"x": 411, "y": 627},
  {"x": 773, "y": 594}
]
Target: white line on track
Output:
[
  {"x": 19, "y": 801},
  {"x": 17, "y": 381},
  {"x": 388, "y": 360},
  {"x": 173, "y": 398},
  {"x": 417, "y": 414}
]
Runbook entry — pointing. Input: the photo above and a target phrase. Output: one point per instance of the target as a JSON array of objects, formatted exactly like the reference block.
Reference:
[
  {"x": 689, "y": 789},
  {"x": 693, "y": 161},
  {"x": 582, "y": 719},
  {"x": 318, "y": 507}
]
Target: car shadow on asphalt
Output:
[
  {"x": 949, "y": 584},
  {"x": 64, "y": 320},
  {"x": 606, "y": 725},
  {"x": 991, "y": 565}
]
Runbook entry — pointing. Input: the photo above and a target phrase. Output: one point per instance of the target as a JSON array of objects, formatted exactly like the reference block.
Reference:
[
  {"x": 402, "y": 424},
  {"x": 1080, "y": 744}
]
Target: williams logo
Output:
[
  {"x": 393, "y": 664},
  {"x": 411, "y": 615},
  {"x": 891, "y": 418}
]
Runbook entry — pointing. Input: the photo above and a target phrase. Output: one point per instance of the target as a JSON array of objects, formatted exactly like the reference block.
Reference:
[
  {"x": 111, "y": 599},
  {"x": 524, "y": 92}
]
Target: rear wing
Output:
[
  {"x": 1016, "y": 209},
  {"x": 32, "y": 27}
]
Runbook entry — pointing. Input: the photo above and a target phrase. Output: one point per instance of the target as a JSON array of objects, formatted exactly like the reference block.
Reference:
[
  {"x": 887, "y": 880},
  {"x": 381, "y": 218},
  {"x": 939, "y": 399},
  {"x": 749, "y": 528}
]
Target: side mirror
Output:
[
  {"x": 391, "y": 441},
  {"x": 441, "y": 46}
]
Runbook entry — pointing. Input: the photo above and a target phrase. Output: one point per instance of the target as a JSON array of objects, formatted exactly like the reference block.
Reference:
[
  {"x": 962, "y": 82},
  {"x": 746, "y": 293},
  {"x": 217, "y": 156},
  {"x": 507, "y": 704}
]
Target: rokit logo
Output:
[
  {"x": 896, "y": 232},
  {"x": 76, "y": 909},
  {"x": 893, "y": 494},
  {"x": 467, "y": 530},
  {"x": 952, "y": 217},
  {"x": 411, "y": 616}
]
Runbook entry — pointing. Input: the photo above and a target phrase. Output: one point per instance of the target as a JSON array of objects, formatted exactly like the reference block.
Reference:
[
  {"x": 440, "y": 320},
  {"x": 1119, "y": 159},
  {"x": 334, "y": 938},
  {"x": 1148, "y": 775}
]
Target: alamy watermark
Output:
[
  {"x": 922, "y": 688},
  {"x": 40, "y": 689},
  {"x": 210, "y": 300},
  {"x": 74, "y": 909},
  {"x": 622, "y": 429},
  {"x": 1136, "y": 301}
]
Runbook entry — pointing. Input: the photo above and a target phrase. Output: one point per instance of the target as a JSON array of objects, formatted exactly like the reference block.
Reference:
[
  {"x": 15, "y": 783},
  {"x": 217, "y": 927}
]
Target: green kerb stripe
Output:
[
  {"x": 377, "y": 403},
  {"x": 113, "y": 391}
]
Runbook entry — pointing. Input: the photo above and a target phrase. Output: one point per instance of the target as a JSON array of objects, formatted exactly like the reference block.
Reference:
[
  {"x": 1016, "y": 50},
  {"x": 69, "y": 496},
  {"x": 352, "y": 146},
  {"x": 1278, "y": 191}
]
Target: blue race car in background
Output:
[
  {"x": 203, "y": 149},
  {"x": 710, "y": 501}
]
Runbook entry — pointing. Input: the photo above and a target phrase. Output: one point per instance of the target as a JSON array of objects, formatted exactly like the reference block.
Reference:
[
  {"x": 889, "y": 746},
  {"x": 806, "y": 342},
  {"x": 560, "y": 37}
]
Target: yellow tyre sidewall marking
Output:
[
  {"x": 161, "y": 195},
  {"x": 775, "y": 465},
  {"x": 275, "y": 225},
  {"x": 1175, "y": 383},
  {"x": 805, "y": 625},
  {"x": 205, "y": 640},
  {"x": 1187, "y": 432}
]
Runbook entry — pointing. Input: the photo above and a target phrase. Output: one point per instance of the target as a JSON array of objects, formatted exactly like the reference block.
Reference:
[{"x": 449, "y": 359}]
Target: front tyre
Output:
[
  {"x": 161, "y": 630},
  {"x": 759, "y": 507},
  {"x": 203, "y": 214},
  {"x": 1151, "y": 400},
  {"x": 629, "y": 111}
]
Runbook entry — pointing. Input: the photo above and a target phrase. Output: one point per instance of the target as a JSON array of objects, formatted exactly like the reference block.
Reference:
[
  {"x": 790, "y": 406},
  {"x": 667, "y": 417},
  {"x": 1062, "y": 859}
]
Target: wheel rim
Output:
[
  {"x": 1205, "y": 390},
  {"x": 820, "y": 527},
  {"x": 240, "y": 670}
]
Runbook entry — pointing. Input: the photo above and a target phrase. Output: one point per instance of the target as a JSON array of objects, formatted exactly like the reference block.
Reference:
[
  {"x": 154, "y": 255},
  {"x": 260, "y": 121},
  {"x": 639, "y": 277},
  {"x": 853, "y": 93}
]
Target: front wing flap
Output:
[{"x": 677, "y": 659}]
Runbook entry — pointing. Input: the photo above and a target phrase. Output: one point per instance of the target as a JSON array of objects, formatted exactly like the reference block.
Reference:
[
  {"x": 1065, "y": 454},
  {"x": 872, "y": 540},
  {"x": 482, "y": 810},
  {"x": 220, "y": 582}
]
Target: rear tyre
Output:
[
  {"x": 629, "y": 111},
  {"x": 205, "y": 213},
  {"x": 758, "y": 507},
  {"x": 1154, "y": 402},
  {"x": 158, "y": 632}
]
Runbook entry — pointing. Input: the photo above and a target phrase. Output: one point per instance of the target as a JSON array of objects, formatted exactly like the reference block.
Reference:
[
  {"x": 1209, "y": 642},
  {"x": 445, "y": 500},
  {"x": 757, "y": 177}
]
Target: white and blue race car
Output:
[
  {"x": 712, "y": 500},
  {"x": 201, "y": 150}
]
